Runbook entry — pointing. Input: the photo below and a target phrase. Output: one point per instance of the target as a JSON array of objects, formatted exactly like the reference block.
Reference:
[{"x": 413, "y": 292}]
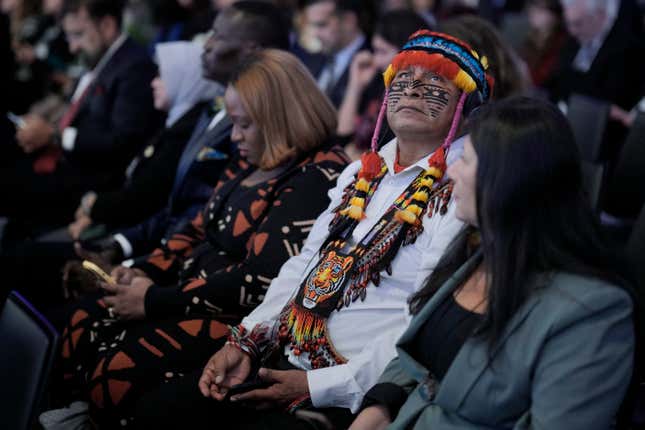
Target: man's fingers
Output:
[
  {"x": 110, "y": 302},
  {"x": 261, "y": 394},
  {"x": 270, "y": 375},
  {"x": 80, "y": 251},
  {"x": 112, "y": 289},
  {"x": 205, "y": 383}
]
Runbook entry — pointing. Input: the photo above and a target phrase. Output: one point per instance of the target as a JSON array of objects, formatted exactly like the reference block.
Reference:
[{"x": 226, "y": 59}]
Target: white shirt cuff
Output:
[
  {"x": 68, "y": 139},
  {"x": 334, "y": 387},
  {"x": 124, "y": 243}
]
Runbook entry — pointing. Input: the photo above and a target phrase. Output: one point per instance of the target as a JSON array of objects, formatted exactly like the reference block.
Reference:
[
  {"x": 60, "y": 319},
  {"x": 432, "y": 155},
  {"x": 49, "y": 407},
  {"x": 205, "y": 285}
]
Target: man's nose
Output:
[{"x": 413, "y": 91}]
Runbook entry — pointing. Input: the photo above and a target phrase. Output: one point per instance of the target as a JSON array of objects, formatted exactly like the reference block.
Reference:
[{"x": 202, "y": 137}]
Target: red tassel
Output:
[
  {"x": 438, "y": 159},
  {"x": 371, "y": 166}
]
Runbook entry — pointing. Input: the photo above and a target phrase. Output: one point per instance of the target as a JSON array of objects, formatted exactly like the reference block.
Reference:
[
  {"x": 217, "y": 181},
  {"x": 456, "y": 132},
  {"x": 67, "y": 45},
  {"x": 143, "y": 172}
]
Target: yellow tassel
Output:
[
  {"x": 362, "y": 185},
  {"x": 426, "y": 182},
  {"x": 464, "y": 82},
  {"x": 414, "y": 209},
  {"x": 354, "y": 212},
  {"x": 406, "y": 216},
  {"x": 434, "y": 171},
  {"x": 357, "y": 201},
  {"x": 472, "y": 51},
  {"x": 421, "y": 196}
]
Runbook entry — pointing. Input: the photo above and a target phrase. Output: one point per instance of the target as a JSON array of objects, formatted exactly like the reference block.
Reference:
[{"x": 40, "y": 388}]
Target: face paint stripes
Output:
[{"x": 436, "y": 97}]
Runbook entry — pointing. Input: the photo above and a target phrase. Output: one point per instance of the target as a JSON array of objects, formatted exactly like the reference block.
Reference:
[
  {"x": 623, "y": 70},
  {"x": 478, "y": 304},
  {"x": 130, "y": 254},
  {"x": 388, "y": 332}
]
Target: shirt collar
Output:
[{"x": 388, "y": 153}]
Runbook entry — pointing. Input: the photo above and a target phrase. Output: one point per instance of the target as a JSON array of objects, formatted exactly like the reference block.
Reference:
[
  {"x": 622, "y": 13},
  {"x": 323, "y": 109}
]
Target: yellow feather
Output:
[
  {"x": 388, "y": 75},
  {"x": 438, "y": 174},
  {"x": 357, "y": 201},
  {"x": 464, "y": 82},
  {"x": 414, "y": 209},
  {"x": 406, "y": 216},
  {"x": 421, "y": 196},
  {"x": 362, "y": 185}
]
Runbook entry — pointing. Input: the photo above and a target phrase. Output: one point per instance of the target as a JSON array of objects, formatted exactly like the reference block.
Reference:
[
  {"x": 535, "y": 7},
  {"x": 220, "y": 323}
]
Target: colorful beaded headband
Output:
[{"x": 446, "y": 56}]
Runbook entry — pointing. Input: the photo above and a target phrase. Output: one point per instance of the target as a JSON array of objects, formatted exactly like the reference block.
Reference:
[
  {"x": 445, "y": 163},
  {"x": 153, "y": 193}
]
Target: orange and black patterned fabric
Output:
[
  {"x": 225, "y": 260},
  {"x": 212, "y": 273}
]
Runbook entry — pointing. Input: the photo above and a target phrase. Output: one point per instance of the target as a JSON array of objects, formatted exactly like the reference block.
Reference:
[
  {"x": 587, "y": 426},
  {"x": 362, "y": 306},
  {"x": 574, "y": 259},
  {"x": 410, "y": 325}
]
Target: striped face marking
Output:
[{"x": 429, "y": 95}]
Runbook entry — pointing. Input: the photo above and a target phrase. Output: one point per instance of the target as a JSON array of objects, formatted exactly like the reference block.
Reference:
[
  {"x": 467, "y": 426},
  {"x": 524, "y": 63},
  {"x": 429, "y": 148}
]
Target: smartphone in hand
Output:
[
  {"x": 245, "y": 387},
  {"x": 98, "y": 272},
  {"x": 16, "y": 120}
]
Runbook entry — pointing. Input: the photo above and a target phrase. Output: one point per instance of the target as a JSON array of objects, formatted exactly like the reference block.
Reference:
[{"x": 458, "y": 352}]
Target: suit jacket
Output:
[
  {"x": 564, "y": 361},
  {"x": 149, "y": 183},
  {"x": 617, "y": 70},
  {"x": 117, "y": 117},
  {"x": 316, "y": 63},
  {"x": 201, "y": 163}
]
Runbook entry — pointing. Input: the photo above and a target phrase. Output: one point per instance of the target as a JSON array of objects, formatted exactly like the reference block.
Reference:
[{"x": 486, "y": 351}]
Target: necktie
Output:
[
  {"x": 327, "y": 79},
  {"x": 72, "y": 111}
]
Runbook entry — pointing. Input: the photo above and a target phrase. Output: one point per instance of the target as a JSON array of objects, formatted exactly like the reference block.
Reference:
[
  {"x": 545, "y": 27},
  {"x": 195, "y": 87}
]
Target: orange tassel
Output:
[
  {"x": 371, "y": 166},
  {"x": 438, "y": 159}
]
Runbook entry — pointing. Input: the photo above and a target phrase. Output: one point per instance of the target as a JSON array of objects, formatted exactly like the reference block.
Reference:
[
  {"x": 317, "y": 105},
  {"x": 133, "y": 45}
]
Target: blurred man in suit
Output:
[
  {"x": 109, "y": 117},
  {"x": 337, "y": 26}
]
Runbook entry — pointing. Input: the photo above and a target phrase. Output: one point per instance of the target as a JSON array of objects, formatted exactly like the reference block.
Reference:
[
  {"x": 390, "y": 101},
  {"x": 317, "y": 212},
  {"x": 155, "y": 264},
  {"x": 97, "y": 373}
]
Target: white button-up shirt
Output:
[{"x": 365, "y": 332}]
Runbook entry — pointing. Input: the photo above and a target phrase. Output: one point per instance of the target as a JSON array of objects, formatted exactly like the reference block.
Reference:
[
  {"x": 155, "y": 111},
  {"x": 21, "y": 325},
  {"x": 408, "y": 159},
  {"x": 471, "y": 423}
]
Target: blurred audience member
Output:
[
  {"x": 545, "y": 38},
  {"x": 180, "y": 90},
  {"x": 364, "y": 94},
  {"x": 181, "y": 19},
  {"x": 28, "y": 25},
  {"x": 110, "y": 116},
  {"x": 506, "y": 67},
  {"x": 336, "y": 25},
  {"x": 604, "y": 58},
  {"x": 7, "y": 87},
  {"x": 425, "y": 9}
]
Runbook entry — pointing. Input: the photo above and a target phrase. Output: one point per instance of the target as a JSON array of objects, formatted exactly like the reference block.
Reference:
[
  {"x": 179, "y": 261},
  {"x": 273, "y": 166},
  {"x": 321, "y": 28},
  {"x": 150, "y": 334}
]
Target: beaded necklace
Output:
[{"x": 342, "y": 277}]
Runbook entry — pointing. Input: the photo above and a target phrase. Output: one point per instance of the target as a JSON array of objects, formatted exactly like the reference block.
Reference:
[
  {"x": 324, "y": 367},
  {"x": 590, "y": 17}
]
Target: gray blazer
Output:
[{"x": 564, "y": 361}]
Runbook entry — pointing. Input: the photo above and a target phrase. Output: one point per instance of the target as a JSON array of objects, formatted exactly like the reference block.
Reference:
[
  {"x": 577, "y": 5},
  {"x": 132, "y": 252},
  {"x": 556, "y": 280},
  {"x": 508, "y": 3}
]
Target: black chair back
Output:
[
  {"x": 626, "y": 186},
  {"x": 592, "y": 176},
  {"x": 588, "y": 117},
  {"x": 28, "y": 344}
]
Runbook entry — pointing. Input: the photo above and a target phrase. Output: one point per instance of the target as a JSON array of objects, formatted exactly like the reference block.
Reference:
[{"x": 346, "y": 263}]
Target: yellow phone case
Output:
[{"x": 88, "y": 265}]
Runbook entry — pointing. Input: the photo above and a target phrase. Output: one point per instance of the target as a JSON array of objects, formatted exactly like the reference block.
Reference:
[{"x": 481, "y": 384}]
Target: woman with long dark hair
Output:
[{"x": 525, "y": 322}]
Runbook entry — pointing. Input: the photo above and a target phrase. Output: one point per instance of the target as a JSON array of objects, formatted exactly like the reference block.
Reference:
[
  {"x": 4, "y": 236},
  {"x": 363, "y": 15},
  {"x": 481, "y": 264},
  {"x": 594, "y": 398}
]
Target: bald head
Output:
[{"x": 239, "y": 29}]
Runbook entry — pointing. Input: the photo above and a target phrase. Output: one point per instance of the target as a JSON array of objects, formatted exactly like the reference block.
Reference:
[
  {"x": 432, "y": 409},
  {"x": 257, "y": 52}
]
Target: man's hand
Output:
[
  {"x": 37, "y": 133},
  {"x": 372, "y": 418},
  {"x": 76, "y": 228},
  {"x": 125, "y": 275},
  {"x": 618, "y": 114},
  {"x": 229, "y": 366},
  {"x": 362, "y": 71},
  {"x": 128, "y": 302},
  {"x": 286, "y": 386}
]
